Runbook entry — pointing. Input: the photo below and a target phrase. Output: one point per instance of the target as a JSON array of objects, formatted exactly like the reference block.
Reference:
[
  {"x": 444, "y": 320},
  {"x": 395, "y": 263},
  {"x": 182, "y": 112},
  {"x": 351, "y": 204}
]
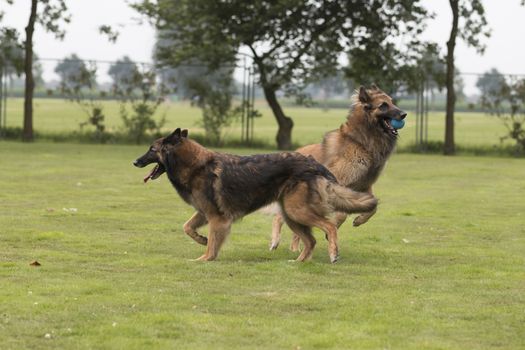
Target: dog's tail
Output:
[{"x": 348, "y": 201}]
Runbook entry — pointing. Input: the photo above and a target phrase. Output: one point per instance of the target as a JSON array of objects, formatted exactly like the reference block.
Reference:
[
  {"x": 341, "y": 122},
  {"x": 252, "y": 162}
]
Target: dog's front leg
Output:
[
  {"x": 190, "y": 227},
  {"x": 219, "y": 230}
]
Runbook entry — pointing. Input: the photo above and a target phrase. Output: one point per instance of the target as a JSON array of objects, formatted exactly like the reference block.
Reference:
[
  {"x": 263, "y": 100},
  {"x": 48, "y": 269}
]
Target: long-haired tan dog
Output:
[{"x": 356, "y": 153}]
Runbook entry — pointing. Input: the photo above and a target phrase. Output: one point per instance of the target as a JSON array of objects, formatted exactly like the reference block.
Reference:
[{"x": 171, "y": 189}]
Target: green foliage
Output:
[
  {"x": 126, "y": 77},
  {"x": 491, "y": 84},
  {"x": 78, "y": 83},
  {"x": 140, "y": 91},
  {"x": 506, "y": 100},
  {"x": 140, "y": 122},
  {"x": 11, "y": 51},
  {"x": 52, "y": 16},
  {"x": 215, "y": 100},
  {"x": 109, "y": 32},
  {"x": 473, "y": 26},
  {"x": 75, "y": 76},
  {"x": 292, "y": 42}
]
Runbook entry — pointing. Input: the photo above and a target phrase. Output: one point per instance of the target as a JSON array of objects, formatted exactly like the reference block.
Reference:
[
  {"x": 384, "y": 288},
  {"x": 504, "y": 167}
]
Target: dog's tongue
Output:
[{"x": 147, "y": 177}]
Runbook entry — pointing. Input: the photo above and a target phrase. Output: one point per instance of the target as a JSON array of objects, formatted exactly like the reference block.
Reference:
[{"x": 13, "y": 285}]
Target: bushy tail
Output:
[{"x": 348, "y": 201}]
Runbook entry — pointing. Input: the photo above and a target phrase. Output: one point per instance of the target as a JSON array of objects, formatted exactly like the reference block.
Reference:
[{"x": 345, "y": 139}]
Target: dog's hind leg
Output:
[
  {"x": 294, "y": 245},
  {"x": 219, "y": 230},
  {"x": 340, "y": 218},
  {"x": 190, "y": 227},
  {"x": 311, "y": 219},
  {"x": 300, "y": 215},
  {"x": 305, "y": 234},
  {"x": 364, "y": 217},
  {"x": 277, "y": 225},
  {"x": 330, "y": 231}
]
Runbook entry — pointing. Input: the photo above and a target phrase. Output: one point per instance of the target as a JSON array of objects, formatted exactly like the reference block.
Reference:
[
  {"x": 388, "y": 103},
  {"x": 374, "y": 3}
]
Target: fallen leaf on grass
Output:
[
  {"x": 35, "y": 263},
  {"x": 405, "y": 240}
]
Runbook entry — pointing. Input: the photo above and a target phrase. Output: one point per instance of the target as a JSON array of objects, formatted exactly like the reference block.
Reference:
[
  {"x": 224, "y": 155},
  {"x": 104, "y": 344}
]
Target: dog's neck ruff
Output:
[{"x": 371, "y": 138}]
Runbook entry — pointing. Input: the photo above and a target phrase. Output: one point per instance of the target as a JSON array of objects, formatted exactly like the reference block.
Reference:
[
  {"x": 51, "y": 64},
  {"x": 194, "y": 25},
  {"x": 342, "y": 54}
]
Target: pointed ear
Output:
[
  {"x": 184, "y": 133},
  {"x": 374, "y": 87},
  {"x": 364, "y": 97},
  {"x": 173, "y": 137}
]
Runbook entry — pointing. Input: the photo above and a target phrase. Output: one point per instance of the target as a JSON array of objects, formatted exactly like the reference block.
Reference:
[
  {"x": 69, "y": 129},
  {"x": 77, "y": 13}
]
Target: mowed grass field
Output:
[
  {"x": 56, "y": 115},
  {"x": 440, "y": 266}
]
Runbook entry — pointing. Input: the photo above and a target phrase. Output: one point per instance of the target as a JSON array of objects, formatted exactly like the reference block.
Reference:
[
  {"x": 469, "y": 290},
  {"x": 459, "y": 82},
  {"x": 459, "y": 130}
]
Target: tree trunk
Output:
[
  {"x": 284, "y": 134},
  {"x": 27, "y": 134},
  {"x": 450, "y": 147}
]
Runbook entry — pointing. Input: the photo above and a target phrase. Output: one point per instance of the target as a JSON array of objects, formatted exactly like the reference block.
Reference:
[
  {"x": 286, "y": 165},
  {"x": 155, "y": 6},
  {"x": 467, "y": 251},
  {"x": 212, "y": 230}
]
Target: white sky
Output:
[{"x": 505, "y": 48}]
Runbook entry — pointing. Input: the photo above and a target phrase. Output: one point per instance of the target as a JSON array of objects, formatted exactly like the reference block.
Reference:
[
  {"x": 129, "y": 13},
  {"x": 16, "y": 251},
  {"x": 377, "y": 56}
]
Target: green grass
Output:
[
  {"x": 473, "y": 130},
  {"x": 440, "y": 266}
]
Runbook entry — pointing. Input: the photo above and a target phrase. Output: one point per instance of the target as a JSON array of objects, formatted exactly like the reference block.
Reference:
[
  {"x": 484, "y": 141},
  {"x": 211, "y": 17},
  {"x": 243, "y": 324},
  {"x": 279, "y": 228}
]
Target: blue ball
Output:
[{"x": 397, "y": 124}]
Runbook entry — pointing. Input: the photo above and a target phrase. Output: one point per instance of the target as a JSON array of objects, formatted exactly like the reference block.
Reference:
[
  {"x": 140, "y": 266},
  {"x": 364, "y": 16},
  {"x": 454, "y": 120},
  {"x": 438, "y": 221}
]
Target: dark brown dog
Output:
[
  {"x": 356, "y": 153},
  {"x": 223, "y": 188}
]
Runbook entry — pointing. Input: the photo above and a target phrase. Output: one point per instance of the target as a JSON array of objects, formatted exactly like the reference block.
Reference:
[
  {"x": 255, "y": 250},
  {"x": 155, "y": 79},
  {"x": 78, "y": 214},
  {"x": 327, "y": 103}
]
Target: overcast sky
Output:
[{"x": 505, "y": 48}]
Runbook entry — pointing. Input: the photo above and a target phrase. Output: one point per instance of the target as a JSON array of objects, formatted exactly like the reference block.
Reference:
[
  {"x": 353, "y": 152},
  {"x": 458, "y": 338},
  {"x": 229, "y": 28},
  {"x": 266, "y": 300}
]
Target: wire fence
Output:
[
  {"x": 48, "y": 82},
  {"x": 427, "y": 97}
]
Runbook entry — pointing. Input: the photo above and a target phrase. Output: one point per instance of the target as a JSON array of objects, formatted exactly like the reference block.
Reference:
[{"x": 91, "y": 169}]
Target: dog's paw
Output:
[
  {"x": 359, "y": 220},
  {"x": 334, "y": 258},
  {"x": 201, "y": 240},
  {"x": 274, "y": 245}
]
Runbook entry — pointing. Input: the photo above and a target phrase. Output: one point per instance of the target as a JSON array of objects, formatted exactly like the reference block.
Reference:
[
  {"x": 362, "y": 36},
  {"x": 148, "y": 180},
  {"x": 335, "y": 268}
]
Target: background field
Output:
[
  {"x": 473, "y": 130},
  {"x": 441, "y": 266}
]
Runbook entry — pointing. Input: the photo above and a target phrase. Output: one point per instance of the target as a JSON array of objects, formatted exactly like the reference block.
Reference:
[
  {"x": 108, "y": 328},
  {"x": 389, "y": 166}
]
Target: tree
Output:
[
  {"x": 469, "y": 22},
  {"x": 290, "y": 41},
  {"x": 11, "y": 51},
  {"x": 215, "y": 101},
  {"x": 491, "y": 84},
  {"x": 190, "y": 72},
  {"x": 50, "y": 14},
  {"x": 210, "y": 89},
  {"x": 393, "y": 67},
  {"x": 141, "y": 92},
  {"x": 126, "y": 76},
  {"x": 506, "y": 99},
  {"x": 76, "y": 78}
]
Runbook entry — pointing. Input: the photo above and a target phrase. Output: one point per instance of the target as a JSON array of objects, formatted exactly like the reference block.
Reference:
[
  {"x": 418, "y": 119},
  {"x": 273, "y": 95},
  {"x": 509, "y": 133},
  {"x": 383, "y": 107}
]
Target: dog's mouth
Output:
[
  {"x": 386, "y": 123},
  {"x": 157, "y": 171}
]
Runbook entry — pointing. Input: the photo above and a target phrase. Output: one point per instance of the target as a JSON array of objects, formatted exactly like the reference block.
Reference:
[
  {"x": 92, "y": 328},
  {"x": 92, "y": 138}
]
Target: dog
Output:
[
  {"x": 223, "y": 188},
  {"x": 356, "y": 153}
]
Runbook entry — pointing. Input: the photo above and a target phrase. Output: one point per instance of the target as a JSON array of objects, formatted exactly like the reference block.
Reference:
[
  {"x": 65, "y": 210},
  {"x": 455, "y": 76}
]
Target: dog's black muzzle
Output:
[
  {"x": 146, "y": 159},
  {"x": 139, "y": 164}
]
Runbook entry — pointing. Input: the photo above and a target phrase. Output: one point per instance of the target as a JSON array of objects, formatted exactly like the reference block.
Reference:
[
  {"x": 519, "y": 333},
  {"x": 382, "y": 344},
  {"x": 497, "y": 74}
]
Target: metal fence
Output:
[
  {"x": 422, "y": 101},
  {"x": 12, "y": 85}
]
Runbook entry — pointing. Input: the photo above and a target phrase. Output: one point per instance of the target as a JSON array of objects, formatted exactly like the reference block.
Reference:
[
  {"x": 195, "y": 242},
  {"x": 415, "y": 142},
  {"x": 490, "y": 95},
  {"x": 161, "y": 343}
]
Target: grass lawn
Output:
[
  {"x": 440, "y": 266},
  {"x": 56, "y": 115}
]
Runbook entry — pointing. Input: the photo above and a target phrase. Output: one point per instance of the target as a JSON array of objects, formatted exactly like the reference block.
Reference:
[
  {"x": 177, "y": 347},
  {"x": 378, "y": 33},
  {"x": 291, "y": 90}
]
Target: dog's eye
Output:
[{"x": 383, "y": 106}]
